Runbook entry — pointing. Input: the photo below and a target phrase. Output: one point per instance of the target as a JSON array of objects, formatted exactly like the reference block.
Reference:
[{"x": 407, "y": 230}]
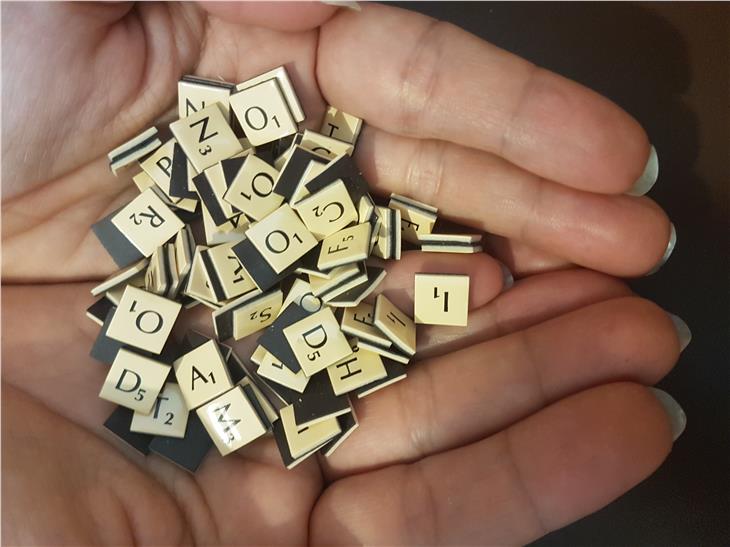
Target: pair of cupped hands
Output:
[{"x": 536, "y": 414}]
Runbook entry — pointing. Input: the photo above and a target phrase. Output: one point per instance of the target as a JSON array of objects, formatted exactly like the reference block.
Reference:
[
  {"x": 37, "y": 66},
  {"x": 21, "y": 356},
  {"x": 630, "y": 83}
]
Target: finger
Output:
[
  {"x": 412, "y": 75},
  {"x": 529, "y": 302},
  {"x": 452, "y": 400},
  {"x": 564, "y": 462},
  {"x": 522, "y": 259},
  {"x": 54, "y": 466},
  {"x": 484, "y": 190},
  {"x": 288, "y": 16}
]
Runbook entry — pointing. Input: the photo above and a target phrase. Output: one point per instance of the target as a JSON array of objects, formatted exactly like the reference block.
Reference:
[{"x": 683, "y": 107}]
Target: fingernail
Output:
[
  {"x": 683, "y": 332},
  {"x": 677, "y": 417},
  {"x": 507, "y": 278},
  {"x": 343, "y": 4},
  {"x": 668, "y": 252},
  {"x": 648, "y": 177}
]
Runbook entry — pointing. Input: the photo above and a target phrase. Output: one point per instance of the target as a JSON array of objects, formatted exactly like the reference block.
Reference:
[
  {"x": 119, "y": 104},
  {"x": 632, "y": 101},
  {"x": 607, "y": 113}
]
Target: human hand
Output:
[
  {"x": 541, "y": 162},
  {"x": 533, "y": 402}
]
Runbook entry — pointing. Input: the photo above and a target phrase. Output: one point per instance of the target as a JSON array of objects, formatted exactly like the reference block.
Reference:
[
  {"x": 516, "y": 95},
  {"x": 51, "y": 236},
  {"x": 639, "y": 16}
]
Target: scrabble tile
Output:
[
  {"x": 342, "y": 167},
  {"x": 395, "y": 372},
  {"x": 340, "y": 125},
  {"x": 299, "y": 162},
  {"x": 205, "y": 137},
  {"x": 307, "y": 265},
  {"x": 263, "y": 112},
  {"x": 184, "y": 251},
  {"x": 301, "y": 294},
  {"x": 276, "y": 343},
  {"x": 359, "y": 322},
  {"x": 341, "y": 280},
  {"x": 281, "y": 443},
  {"x": 395, "y": 324},
  {"x": 258, "y": 355},
  {"x": 282, "y": 395},
  {"x": 211, "y": 187},
  {"x": 356, "y": 295},
  {"x": 328, "y": 147},
  {"x": 416, "y": 218},
  {"x": 115, "y": 293},
  {"x": 348, "y": 424},
  {"x": 287, "y": 89},
  {"x": 156, "y": 277},
  {"x": 266, "y": 411},
  {"x": 366, "y": 209},
  {"x": 281, "y": 238},
  {"x": 122, "y": 251},
  {"x": 273, "y": 369},
  {"x": 236, "y": 370},
  {"x": 317, "y": 341},
  {"x": 231, "y": 231},
  {"x": 147, "y": 222},
  {"x": 345, "y": 247},
  {"x": 252, "y": 189},
  {"x": 302, "y": 440},
  {"x": 388, "y": 245},
  {"x": 120, "y": 277},
  {"x": 450, "y": 243},
  {"x": 391, "y": 352},
  {"x": 134, "y": 381},
  {"x": 202, "y": 374},
  {"x": 225, "y": 273},
  {"x": 119, "y": 422},
  {"x": 175, "y": 283},
  {"x": 99, "y": 309},
  {"x": 169, "y": 415},
  {"x": 187, "y": 452},
  {"x": 231, "y": 421},
  {"x": 158, "y": 165},
  {"x": 134, "y": 149},
  {"x": 247, "y": 314},
  {"x": 313, "y": 169},
  {"x": 105, "y": 349},
  {"x": 318, "y": 402},
  {"x": 195, "y": 93},
  {"x": 143, "y": 320},
  {"x": 182, "y": 173},
  {"x": 257, "y": 267},
  {"x": 441, "y": 299},
  {"x": 144, "y": 182},
  {"x": 328, "y": 210},
  {"x": 197, "y": 285},
  {"x": 360, "y": 368}
]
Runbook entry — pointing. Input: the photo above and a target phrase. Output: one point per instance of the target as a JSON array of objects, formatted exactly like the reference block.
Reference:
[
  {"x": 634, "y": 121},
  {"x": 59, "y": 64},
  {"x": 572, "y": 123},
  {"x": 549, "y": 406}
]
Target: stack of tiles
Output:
[{"x": 272, "y": 230}]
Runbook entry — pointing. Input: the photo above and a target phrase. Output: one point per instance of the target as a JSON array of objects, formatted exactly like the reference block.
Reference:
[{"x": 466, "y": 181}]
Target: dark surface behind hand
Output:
[{"x": 669, "y": 66}]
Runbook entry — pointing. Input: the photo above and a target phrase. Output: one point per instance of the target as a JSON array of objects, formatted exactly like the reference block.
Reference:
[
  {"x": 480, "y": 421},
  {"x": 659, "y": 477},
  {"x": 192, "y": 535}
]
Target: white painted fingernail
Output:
[
  {"x": 507, "y": 278},
  {"x": 648, "y": 177},
  {"x": 683, "y": 332},
  {"x": 677, "y": 417},
  {"x": 668, "y": 251},
  {"x": 343, "y": 4}
]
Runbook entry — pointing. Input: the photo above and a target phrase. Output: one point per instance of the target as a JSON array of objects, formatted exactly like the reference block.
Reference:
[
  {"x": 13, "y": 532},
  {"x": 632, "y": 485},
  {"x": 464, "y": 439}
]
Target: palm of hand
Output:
[{"x": 102, "y": 494}]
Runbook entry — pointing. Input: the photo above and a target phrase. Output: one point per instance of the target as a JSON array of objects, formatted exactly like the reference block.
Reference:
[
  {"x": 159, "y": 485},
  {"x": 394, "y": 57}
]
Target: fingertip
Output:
[{"x": 286, "y": 16}]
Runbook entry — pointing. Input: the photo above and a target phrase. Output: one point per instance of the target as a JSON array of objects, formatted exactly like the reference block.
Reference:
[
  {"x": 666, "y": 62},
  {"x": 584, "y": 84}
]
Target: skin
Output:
[{"x": 531, "y": 418}]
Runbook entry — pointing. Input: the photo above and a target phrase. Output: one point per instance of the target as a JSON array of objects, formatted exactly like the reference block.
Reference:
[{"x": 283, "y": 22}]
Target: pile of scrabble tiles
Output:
[{"x": 273, "y": 231}]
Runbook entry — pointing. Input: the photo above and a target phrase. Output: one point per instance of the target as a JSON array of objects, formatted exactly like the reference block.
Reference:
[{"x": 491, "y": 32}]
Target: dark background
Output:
[{"x": 669, "y": 66}]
